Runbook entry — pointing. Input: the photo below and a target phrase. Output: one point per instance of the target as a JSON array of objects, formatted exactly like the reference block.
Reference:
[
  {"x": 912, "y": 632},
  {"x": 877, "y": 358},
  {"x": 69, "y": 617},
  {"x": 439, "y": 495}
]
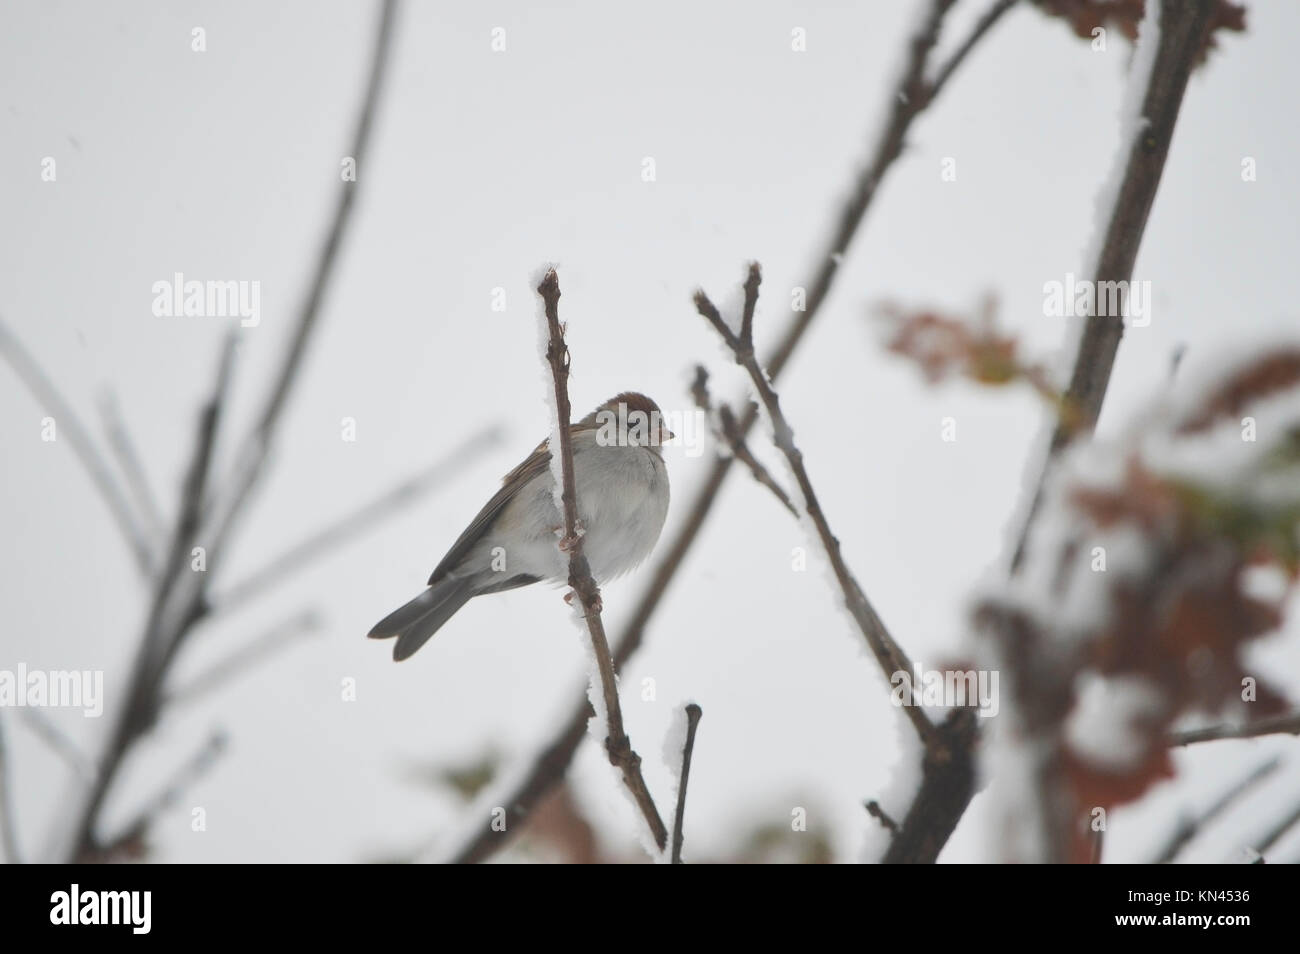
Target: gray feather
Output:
[{"x": 415, "y": 622}]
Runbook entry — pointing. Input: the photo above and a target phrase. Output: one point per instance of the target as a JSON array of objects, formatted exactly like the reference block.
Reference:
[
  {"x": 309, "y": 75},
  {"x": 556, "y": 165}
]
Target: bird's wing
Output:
[{"x": 536, "y": 462}]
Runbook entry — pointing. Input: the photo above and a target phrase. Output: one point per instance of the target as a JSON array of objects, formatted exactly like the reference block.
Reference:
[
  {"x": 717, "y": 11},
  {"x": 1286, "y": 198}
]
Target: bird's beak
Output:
[{"x": 665, "y": 435}]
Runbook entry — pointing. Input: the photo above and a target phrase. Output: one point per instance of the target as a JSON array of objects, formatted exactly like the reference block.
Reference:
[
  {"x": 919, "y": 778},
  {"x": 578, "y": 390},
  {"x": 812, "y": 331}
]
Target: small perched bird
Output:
[{"x": 622, "y": 489}]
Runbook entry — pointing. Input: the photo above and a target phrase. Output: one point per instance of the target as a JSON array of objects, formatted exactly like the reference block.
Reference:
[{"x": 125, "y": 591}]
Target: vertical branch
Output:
[
  {"x": 693, "y": 713},
  {"x": 617, "y": 745},
  {"x": 1182, "y": 31},
  {"x": 256, "y": 447}
]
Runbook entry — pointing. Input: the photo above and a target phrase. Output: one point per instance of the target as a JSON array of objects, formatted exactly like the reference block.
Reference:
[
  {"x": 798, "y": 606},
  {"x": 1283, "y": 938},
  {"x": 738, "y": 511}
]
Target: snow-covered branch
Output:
[{"x": 617, "y": 744}]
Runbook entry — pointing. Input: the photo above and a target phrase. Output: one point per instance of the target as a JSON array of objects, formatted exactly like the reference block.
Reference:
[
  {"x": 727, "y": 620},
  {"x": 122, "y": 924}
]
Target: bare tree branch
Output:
[
  {"x": 1288, "y": 724},
  {"x": 1274, "y": 834},
  {"x": 727, "y": 430},
  {"x": 128, "y": 459},
  {"x": 66, "y": 420},
  {"x": 1182, "y": 32},
  {"x": 982, "y": 26},
  {"x": 888, "y": 653},
  {"x": 693, "y": 713},
  {"x": 8, "y": 826},
  {"x": 180, "y": 599},
  {"x": 58, "y": 741},
  {"x": 617, "y": 744},
  {"x": 1189, "y": 828},
  {"x": 256, "y": 447},
  {"x": 364, "y": 518},
  {"x": 906, "y": 102},
  {"x": 159, "y": 640}
]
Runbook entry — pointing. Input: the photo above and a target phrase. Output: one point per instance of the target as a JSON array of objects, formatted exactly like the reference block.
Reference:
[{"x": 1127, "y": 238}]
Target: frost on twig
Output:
[{"x": 947, "y": 760}]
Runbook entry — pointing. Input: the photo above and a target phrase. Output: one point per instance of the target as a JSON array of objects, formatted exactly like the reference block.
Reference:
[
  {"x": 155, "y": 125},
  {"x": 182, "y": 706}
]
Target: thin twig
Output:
[
  {"x": 256, "y": 447},
  {"x": 617, "y": 744},
  {"x": 59, "y": 742},
  {"x": 727, "y": 430},
  {"x": 1274, "y": 834},
  {"x": 364, "y": 518},
  {"x": 1182, "y": 31},
  {"x": 888, "y": 653},
  {"x": 1288, "y": 724},
  {"x": 1097, "y": 838},
  {"x": 1189, "y": 828},
  {"x": 8, "y": 826},
  {"x": 128, "y": 459},
  {"x": 875, "y": 810},
  {"x": 982, "y": 26},
  {"x": 137, "y": 716},
  {"x": 244, "y": 658},
  {"x": 693, "y": 713},
  {"x": 552, "y": 761},
  {"x": 66, "y": 421}
]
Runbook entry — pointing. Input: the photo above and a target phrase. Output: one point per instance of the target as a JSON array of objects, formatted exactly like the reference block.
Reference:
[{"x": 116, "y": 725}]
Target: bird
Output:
[{"x": 621, "y": 482}]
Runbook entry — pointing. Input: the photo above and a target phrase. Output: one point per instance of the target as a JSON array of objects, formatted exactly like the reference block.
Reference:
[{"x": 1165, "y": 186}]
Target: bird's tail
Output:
[{"x": 415, "y": 622}]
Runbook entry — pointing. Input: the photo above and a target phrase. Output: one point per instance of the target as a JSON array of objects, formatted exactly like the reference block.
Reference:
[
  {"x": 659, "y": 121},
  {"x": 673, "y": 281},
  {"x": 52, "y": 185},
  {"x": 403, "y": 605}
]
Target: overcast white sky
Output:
[{"x": 224, "y": 164}]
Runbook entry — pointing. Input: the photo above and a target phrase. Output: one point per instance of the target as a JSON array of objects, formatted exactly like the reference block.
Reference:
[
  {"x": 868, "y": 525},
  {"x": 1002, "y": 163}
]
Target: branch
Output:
[
  {"x": 1288, "y": 724},
  {"x": 1098, "y": 839},
  {"x": 1274, "y": 834},
  {"x": 123, "y": 448},
  {"x": 982, "y": 26},
  {"x": 181, "y": 602},
  {"x": 875, "y": 810},
  {"x": 948, "y": 767},
  {"x": 1189, "y": 828},
  {"x": 1183, "y": 28},
  {"x": 257, "y": 445},
  {"x": 727, "y": 430},
  {"x": 551, "y": 763},
  {"x": 159, "y": 641},
  {"x": 693, "y": 713},
  {"x": 101, "y": 475},
  {"x": 888, "y": 653},
  {"x": 59, "y": 742},
  {"x": 617, "y": 744},
  {"x": 8, "y": 826},
  {"x": 364, "y": 518}
]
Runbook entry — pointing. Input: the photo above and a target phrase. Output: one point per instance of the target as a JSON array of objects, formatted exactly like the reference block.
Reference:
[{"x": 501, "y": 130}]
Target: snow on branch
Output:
[{"x": 617, "y": 744}]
